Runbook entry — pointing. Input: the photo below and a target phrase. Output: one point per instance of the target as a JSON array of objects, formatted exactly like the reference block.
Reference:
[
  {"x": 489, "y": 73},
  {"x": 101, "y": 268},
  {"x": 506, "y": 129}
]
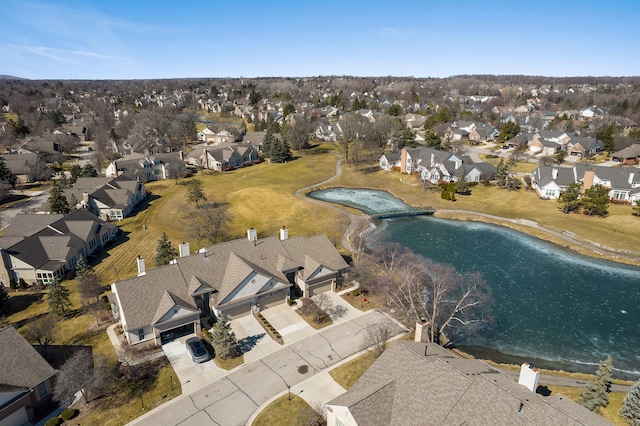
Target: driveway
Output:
[
  {"x": 289, "y": 324},
  {"x": 254, "y": 341},
  {"x": 231, "y": 400},
  {"x": 340, "y": 310},
  {"x": 191, "y": 375}
]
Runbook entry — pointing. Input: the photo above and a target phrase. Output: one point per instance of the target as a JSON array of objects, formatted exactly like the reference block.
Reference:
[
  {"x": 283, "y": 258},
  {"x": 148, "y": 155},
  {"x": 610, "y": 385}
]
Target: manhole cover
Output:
[{"x": 303, "y": 369}]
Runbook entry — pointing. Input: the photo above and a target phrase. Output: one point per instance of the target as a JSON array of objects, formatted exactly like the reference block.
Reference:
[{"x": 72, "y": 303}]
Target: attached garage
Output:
[
  {"x": 238, "y": 311},
  {"x": 274, "y": 299},
  {"x": 319, "y": 288},
  {"x": 17, "y": 418},
  {"x": 175, "y": 333}
]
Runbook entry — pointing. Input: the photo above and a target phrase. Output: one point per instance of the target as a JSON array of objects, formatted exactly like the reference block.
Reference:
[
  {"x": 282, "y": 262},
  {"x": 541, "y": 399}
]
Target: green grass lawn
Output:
[{"x": 349, "y": 373}]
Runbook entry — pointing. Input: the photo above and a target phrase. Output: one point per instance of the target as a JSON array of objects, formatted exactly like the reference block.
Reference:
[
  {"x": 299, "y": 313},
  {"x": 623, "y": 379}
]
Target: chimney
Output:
[
  {"x": 403, "y": 160},
  {"x": 284, "y": 233},
  {"x": 587, "y": 181},
  {"x": 141, "y": 270},
  {"x": 529, "y": 377},
  {"x": 181, "y": 154},
  {"x": 554, "y": 173},
  {"x": 183, "y": 249},
  {"x": 85, "y": 198},
  {"x": 252, "y": 234},
  {"x": 631, "y": 175}
]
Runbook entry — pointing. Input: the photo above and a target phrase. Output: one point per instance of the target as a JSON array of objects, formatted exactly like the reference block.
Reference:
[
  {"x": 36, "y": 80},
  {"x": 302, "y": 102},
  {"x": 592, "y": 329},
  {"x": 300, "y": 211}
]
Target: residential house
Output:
[
  {"x": 414, "y": 122},
  {"x": 22, "y": 165},
  {"x": 110, "y": 198},
  {"x": 26, "y": 381},
  {"x": 39, "y": 247},
  {"x": 235, "y": 278},
  {"x": 623, "y": 184},
  {"x": 206, "y": 135},
  {"x": 389, "y": 160},
  {"x": 581, "y": 146},
  {"x": 440, "y": 166},
  {"x": 223, "y": 157},
  {"x": 590, "y": 112},
  {"x": 628, "y": 155},
  {"x": 255, "y": 139},
  {"x": 148, "y": 168},
  {"x": 414, "y": 383}
]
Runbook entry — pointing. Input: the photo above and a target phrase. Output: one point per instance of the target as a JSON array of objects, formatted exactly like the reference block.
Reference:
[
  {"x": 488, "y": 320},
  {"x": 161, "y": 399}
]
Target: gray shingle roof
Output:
[
  {"x": 406, "y": 387},
  {"x": 22, "y": 365},
  {"x": 222, "y": 267}
]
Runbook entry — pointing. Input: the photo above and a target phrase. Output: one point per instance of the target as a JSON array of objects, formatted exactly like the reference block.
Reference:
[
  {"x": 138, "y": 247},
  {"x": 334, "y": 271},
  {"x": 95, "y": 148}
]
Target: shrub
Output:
[
  {"x": 355, "y": 293},
  {"x": 22, "y": 284},
  {"x": 53, "y": 421},
  {"x": 291, "y": 302},
  {"x": 68, "y": 414},
  {"x": 13, "y": 284}
]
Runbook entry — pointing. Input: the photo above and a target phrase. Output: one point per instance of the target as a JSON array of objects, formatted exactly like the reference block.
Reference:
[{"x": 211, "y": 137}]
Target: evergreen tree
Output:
[
  {"x": 6, "y": 175},
  {"x": 224, "y": 340},
  {"x": 432, "y": 139},
  {"x": 631, "y": 405},
  {"x": 87, "y": 280},
  {"x": 195, "y": 194},
  {"x": 59, "y": 301},
  {"x": 407, "y": 138},
  {"x": 280, "y": 152},
  {"x": 57, "y": 201},
  {"x": 73, "y": 203},
  {"x": 76, "y": 172},
  {"x": 595, "y": 395},
  {"x": 595, "y": 201},
  {"x": 636, "y": 208},
  {"x": 89, "y": 171},
  {"x": 165, "y": 252},
  {"x": 504, "y": 174},
  {"x": 605, "y": 134},
  {"x": 570, "y": 198},
  {"x": 509, "y": 131}
]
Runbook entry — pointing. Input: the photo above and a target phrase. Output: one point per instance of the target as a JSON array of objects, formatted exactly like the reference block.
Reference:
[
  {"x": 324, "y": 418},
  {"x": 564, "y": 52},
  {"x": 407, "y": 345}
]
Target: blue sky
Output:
[{"x": 113, "y": 39}]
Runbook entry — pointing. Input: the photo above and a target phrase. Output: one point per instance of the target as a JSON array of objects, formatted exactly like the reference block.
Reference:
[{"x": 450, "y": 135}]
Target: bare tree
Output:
[
  {"x": 298, "y": 134},
  {"x": 323, "y": 306},
  {"x": 76, "y": 375},
  {"x": 42, "y": 330},
  {"x": 209, "y": 222},
  {"x": 376, "y": 336},
  {"x": 454, "y": 300}
]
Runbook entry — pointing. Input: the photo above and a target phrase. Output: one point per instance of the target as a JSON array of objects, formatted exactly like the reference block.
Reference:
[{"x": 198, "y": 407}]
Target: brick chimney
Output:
[
  {"x": 587, "y": 182},
  {"x": 403, "y": 161}
]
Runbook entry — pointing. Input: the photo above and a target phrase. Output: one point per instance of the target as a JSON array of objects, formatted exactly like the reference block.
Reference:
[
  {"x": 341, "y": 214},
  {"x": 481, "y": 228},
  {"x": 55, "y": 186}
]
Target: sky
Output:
[{"x": 141, "y": 39}]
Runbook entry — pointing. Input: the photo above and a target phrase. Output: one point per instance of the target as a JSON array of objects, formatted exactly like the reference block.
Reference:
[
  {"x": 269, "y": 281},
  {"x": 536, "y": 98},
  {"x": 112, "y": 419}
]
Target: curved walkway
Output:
[{"x": 355, "y": 221}]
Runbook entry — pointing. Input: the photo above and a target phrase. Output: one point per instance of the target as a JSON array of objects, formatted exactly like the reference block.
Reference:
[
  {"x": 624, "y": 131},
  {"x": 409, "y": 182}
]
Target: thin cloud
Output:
[{"x": 64, "y": 55}]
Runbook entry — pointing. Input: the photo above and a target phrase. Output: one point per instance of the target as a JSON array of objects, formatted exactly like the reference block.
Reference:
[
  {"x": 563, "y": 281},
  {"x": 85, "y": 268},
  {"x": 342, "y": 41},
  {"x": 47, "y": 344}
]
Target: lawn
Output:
[
  {"x": 349, "y": 373},
  {"x": 285, "y": 412},
  {"x": 610, "y": 412}
]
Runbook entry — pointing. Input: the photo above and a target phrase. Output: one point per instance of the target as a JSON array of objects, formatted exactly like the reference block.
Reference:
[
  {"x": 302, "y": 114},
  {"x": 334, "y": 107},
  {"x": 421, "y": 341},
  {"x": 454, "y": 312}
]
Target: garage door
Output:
[
  {"x": 320, "y": 288},
  {"x": 238, "y": 311},
  {"x": 273, "y": 300},
  {"x": 175, "y": 333},
  {"x": 17, "y": 418}
]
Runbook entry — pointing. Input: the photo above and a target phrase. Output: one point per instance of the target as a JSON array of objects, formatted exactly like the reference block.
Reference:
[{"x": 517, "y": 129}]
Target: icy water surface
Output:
[{"x": 553, "y": 307}]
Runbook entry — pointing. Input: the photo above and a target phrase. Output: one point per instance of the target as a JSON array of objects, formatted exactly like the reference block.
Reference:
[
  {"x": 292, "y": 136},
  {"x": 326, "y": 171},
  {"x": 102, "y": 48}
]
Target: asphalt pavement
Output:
[{"x": 231, "y": 400}]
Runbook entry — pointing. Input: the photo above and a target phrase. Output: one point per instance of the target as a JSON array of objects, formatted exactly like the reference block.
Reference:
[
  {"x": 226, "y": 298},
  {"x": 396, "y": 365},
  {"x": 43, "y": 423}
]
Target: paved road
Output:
[
  {"x": 231, "y": 400},
  {"x": 35, "y": 200}
]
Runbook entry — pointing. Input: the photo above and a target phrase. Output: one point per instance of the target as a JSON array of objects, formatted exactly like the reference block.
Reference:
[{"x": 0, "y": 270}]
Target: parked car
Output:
[{"x": 197, "y": 350}]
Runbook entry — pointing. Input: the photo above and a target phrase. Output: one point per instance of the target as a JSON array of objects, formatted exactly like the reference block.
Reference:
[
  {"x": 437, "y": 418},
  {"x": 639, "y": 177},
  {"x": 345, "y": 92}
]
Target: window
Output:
[
  {"x": 141, "y": 334},
  {"x": 42, "y": 390},
  {"x": 550, "y": 193}
]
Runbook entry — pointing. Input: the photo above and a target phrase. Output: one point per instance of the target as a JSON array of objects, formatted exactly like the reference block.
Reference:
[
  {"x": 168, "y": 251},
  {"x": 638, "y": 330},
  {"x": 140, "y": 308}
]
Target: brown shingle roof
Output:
[{"x": 22, "y": 365}]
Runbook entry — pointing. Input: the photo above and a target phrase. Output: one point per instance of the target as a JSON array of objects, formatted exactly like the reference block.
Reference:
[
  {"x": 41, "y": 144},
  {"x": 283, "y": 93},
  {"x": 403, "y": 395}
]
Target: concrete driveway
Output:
[
  {"x": 340, "y": 310},
  {"x": 253, "y": 339},
  {"x": 231, "y": 400},
  {"x": 191, "y": 375},
  {"x": 289, "y": 324}
]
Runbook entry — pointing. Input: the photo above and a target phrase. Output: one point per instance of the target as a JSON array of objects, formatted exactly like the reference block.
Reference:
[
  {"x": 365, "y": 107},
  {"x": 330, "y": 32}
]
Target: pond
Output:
[{"x": 553, "y": 307}]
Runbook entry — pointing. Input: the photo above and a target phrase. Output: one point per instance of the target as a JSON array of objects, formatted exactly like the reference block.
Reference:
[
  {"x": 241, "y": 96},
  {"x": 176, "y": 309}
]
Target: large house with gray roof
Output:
[
  {"x": 235, "y": 278},
  {"x": 623, "y": 183},
  {"x": 436, "y": 166},
  {"x": 415, "y": 383},
  {"x": 26, "y": 381},
  {"x": 43, "y": 247},
  {"x": 148, "y": 168},
  {"x": 110, "y": 198}
]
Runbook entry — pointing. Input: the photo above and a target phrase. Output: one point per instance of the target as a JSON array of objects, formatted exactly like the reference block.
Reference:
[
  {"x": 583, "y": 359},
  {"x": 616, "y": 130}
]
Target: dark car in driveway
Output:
[{"x": 197, "y": 350}]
